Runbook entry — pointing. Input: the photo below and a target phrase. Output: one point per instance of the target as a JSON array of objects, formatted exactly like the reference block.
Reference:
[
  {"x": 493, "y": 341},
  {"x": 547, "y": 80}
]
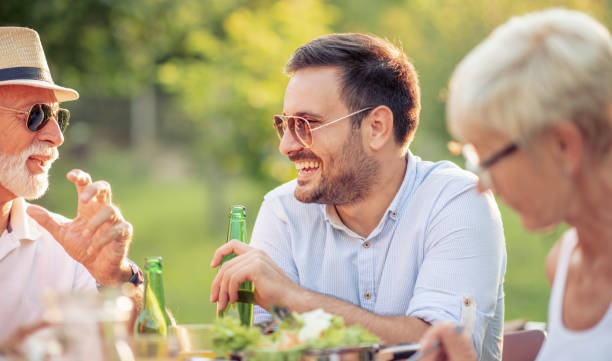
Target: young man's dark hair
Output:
[{"x": 373, "y": 72}]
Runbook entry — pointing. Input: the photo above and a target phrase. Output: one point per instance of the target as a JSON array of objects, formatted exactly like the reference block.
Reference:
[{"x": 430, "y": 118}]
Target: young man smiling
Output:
[{"x": 369, "y": 231}]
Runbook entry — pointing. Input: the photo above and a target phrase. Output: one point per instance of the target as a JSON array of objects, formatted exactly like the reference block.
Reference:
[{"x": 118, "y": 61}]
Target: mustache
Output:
[
  {"x": 43, "y": 149},
  {"x": 303, "y": 155}
]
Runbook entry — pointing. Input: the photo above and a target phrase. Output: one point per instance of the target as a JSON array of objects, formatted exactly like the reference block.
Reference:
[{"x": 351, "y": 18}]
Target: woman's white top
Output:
[{"x": 562, "y": 344}]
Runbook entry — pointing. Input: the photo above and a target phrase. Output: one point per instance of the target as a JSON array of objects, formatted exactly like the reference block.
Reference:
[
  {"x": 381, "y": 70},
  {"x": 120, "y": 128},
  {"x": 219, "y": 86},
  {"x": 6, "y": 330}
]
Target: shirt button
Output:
[
  {"x": 367, "y": 295},
  {"x": 394, "y": 214},
  {"x": 366, "y": 244}
]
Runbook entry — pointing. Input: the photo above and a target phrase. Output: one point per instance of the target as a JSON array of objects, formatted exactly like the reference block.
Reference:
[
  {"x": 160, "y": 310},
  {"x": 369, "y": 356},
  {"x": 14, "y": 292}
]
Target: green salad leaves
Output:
[{"x": 295, "y": 334}]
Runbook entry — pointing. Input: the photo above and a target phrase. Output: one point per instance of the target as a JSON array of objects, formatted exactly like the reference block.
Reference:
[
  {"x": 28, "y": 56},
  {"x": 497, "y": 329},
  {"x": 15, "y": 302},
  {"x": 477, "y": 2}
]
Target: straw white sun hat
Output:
[{"x": 23, "y": 62}]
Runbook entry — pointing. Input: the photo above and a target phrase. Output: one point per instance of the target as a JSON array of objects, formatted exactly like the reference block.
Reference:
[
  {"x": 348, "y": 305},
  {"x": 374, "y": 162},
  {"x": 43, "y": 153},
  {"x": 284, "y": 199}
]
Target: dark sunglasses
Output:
[{"x": 39, "y": 116}]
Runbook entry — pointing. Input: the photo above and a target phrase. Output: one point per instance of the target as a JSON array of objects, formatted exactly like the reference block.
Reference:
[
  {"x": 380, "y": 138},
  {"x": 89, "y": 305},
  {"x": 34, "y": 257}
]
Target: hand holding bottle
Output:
[
  {"x": 272, "y": 286},
  {"x": 243, "y": 309}
]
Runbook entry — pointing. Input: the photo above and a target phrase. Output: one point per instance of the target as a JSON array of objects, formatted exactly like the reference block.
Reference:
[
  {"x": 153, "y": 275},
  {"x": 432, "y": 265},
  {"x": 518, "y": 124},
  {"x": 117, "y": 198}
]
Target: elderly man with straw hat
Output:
[{"x": 38, "y": 249}]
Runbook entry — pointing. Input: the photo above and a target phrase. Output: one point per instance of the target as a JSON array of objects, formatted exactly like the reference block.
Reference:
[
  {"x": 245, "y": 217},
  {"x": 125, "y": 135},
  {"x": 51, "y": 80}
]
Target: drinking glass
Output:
[{"x": 194, "y": 340}]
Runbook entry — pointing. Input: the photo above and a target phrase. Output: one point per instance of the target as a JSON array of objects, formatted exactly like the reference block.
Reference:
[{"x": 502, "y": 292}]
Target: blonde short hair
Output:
[{"x": 533, "y": 71}]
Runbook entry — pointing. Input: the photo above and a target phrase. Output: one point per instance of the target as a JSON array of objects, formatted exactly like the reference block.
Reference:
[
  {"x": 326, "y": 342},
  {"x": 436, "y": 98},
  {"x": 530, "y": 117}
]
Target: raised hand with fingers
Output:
[{"x": 98, "y": 237}]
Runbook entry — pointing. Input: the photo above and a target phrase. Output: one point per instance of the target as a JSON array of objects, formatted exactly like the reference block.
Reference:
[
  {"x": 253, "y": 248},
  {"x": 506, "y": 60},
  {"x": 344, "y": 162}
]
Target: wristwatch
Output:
[{"x": 136, "y": 279}]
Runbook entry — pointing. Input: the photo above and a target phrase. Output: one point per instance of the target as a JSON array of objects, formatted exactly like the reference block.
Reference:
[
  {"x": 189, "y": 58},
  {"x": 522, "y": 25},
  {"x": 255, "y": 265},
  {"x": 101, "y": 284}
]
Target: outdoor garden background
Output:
[{"x": 176, "y": 105}]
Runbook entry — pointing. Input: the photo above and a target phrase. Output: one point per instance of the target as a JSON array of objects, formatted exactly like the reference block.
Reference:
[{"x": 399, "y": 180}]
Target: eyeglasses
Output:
[
  {"x": 39, "y": 116},
  {"x": 300, "y": 127},
  {"x": 473, "y": 163}
]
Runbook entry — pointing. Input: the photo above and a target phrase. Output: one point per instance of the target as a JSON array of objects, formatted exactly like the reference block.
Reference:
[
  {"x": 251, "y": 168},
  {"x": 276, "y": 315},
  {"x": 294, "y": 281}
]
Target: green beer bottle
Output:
[
  {"x": 243, "y": 309},
  {"x": 153, "y": 318}
]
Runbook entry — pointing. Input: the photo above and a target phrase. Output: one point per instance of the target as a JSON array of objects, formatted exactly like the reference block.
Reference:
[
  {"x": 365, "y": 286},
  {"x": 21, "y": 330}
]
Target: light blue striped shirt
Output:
[{"x": 439, "y": 241}]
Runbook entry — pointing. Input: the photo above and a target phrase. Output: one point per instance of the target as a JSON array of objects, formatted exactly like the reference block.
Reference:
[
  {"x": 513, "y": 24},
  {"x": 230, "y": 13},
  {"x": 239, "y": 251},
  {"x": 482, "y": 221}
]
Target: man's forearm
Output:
[{"x": 391, "y": 329}]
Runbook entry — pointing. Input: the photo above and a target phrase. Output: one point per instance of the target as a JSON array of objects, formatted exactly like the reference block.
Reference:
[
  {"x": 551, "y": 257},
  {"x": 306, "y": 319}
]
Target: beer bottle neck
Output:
[
  {"x": 154, "y": 290},
  {"x": 237, "y": 230}
]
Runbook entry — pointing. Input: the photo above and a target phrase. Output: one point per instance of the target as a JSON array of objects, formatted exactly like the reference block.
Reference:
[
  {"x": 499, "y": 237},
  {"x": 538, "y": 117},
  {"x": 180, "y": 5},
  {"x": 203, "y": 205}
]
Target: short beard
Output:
[
  {"x": 16, "y": 177},
  {"x": 350, "y": 176}
]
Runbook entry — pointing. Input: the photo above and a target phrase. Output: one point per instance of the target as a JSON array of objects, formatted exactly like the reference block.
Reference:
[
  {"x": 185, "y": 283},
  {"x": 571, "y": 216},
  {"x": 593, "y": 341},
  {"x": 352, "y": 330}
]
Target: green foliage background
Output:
[{"x": 216, "y": 67}]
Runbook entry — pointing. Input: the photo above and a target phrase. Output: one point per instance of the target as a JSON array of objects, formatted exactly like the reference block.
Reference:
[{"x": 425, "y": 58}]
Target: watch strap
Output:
[{"x": 136, "y": 279}]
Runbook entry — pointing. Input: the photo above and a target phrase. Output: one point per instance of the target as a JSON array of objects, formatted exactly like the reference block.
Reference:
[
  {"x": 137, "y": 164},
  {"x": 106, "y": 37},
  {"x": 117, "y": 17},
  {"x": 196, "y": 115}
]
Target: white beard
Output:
[{"x": 17, "y": 178}]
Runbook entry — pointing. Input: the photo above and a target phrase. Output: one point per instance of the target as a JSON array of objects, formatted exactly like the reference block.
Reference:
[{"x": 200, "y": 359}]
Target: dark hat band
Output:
[{"x": 25, "y": 73}]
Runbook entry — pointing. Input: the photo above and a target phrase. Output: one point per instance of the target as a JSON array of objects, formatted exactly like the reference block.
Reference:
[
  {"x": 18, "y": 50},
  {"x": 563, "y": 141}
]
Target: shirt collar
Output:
[
  {"x": 331, "y": 215},
  {"x": 22, "y": 226},
  {"x": 398, "y": 202},
  {"x": 21, "y": 229}
]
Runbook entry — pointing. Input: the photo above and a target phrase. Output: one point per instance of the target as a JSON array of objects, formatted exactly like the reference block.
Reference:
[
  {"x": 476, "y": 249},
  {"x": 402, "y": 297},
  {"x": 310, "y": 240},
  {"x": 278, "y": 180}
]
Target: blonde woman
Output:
[{"x": 533, "y": 104}]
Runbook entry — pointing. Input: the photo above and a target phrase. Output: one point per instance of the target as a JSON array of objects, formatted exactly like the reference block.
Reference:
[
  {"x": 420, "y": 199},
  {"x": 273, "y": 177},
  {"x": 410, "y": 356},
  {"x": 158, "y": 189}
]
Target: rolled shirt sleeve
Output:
[{"x": 464, "y": 255}]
